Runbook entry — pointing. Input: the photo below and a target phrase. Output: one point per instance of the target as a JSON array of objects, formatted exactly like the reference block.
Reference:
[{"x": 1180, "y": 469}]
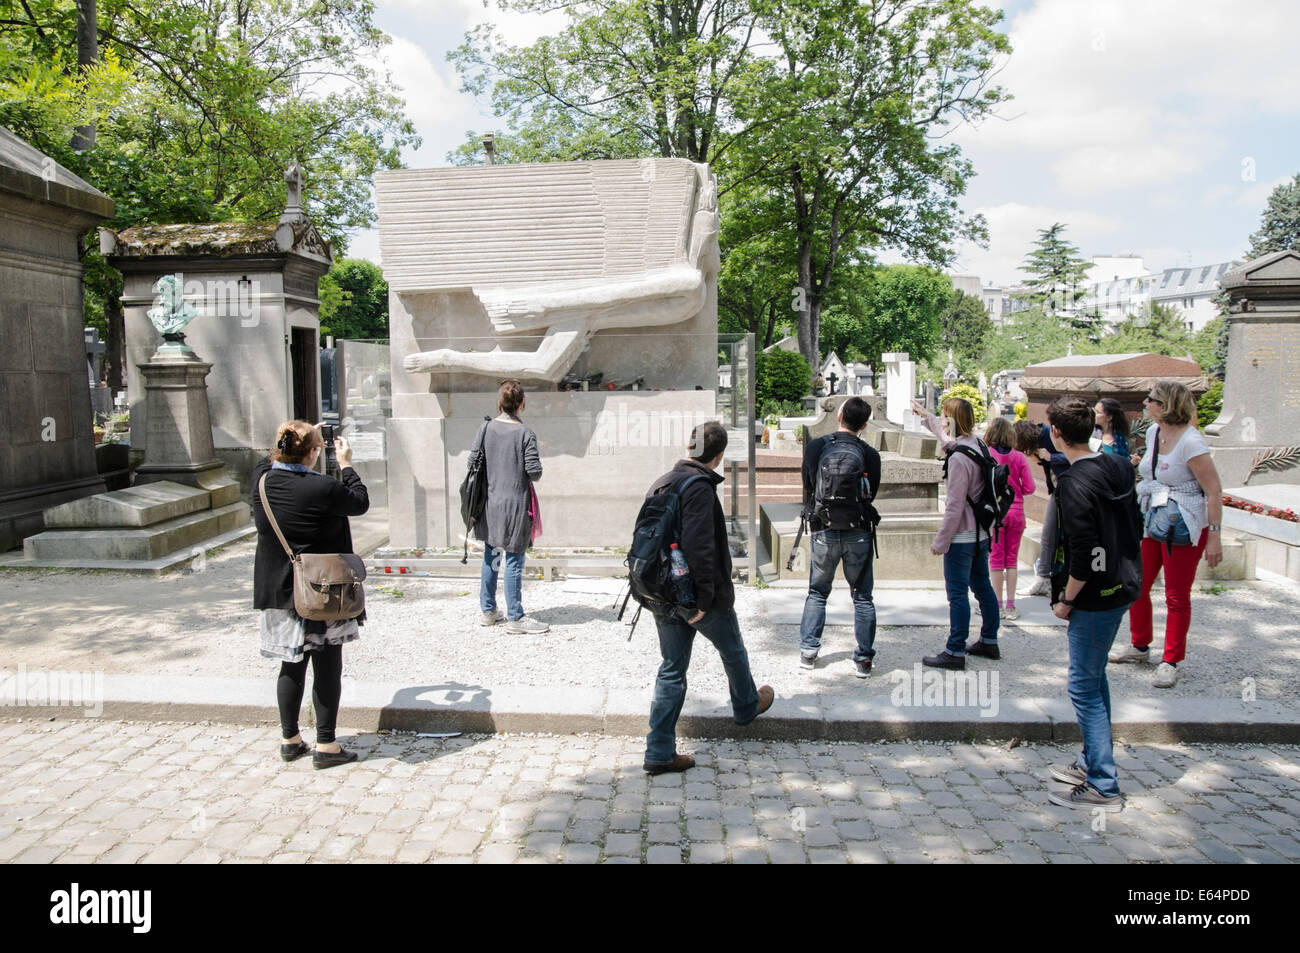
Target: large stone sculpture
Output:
[
  {"x": 605, "y": 271},
  {"x": 610, "y": 245}
]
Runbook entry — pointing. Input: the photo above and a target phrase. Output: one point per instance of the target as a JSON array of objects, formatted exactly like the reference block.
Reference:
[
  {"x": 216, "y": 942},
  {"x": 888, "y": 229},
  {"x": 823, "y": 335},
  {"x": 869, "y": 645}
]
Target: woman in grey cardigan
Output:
[{"x": 506, "y": 528}]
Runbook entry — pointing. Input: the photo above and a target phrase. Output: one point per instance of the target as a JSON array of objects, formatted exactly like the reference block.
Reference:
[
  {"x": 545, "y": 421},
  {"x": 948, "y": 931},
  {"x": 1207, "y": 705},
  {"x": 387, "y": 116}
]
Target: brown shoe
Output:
[
  {"x": 765, "y": 698},
  {"x": 679, "y": 763}
]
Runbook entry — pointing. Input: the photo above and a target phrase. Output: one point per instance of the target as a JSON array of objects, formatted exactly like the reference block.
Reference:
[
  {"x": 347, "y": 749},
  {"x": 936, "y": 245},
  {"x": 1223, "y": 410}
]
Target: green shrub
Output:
[
  {"x": 781, "y": 408},
  {"x": 967, "y": 392},
  {"x": 1209, "y": 405},
  {"x": 780, "y": 375}
]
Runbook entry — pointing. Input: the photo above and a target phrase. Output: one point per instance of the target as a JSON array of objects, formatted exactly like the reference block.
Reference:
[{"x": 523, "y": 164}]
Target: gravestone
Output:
[
  {"x": 255, "y": 283},
  {"x": 900, "y": 389},
  {"x": 1255, "y": 438},
  {"x": 47, "y": 445},
  {"x": 594, "y": 284}
]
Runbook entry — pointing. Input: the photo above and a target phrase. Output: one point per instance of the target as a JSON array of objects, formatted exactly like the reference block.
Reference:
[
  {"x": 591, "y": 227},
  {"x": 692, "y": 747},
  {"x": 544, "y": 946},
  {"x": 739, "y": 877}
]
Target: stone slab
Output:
[
  {"x": 136, "y": 506},
  {"x": 19, "y": 560},
  {"x": 148, "y": 543}
]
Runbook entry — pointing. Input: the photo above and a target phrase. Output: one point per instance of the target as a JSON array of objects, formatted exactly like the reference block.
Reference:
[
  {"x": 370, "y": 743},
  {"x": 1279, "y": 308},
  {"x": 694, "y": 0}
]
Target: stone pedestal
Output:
[
  {"x": 1255, "y": 439},
  {"x": 179, "y": 447}
]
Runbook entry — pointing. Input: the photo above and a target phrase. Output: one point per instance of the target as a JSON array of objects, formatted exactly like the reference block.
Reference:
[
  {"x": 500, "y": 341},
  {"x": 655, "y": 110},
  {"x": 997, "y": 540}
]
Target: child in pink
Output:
[{"x": 1001, "y": 440}]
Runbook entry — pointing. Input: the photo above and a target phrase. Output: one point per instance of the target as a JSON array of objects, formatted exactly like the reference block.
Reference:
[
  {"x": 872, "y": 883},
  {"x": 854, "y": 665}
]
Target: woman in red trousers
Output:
[{"x": 1186, "y": 486}]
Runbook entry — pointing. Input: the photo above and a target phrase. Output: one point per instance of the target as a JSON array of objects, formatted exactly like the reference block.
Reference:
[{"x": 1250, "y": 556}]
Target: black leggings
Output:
[{"x": 326, "y": 689}]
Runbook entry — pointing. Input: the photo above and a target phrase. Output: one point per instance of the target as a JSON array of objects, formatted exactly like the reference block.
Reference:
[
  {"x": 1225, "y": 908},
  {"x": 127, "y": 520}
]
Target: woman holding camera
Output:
[
  {"x": 1182, "y": 505},
  {"x": 312, "y": 511}
]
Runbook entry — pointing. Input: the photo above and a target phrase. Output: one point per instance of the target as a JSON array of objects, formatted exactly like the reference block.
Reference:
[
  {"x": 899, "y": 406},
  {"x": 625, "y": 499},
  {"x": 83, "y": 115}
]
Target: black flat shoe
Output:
[
  {"x": 294, "y": 751},
  {"x": 328, "y": 759},
  {"x": 944, "y": 660}
]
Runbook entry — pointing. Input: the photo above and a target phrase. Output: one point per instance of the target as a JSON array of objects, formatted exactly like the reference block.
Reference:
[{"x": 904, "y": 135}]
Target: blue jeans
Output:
[
  {"x": 722, "y": 628},
  {"x": 1091, "y": 635},
  {"x": 487, "y": 593},
  {"x": 965, "y": 568},
  {"x": 829, "y": 548}
]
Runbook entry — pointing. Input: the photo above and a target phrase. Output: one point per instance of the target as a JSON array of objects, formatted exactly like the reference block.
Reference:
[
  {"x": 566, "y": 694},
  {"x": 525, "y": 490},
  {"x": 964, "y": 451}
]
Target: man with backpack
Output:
[
  {"x": 1097, "y": 574},
  {"x": 702, "y": 540},
  {"x": 841, "y": 476}
]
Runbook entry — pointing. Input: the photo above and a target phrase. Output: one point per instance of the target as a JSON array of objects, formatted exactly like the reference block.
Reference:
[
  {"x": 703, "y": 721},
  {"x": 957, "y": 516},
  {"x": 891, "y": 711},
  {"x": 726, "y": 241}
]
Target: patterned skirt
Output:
[{"x": 287, "y": 636}]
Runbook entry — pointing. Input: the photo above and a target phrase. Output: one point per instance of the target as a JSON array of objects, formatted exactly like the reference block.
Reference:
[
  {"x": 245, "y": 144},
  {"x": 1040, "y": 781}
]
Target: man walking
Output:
[
  {"x": 1097, "y": 574},
  {"x": 841, "y": 476},
  {"x": 704, "y": 544}
]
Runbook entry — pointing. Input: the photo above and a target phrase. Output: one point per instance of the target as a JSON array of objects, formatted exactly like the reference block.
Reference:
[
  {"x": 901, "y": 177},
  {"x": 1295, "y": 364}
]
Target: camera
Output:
[{"x": 331, "y": 461}]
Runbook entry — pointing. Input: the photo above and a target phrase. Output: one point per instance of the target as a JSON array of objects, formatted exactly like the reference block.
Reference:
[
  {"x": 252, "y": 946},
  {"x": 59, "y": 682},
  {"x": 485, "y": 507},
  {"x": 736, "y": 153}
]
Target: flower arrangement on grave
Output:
[{"x": 1273, "y": 511}]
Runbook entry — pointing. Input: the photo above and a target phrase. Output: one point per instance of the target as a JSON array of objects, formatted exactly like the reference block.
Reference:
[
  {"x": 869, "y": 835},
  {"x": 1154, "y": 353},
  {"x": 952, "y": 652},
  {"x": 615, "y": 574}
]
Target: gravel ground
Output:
[{"x": 201, "y": 623}]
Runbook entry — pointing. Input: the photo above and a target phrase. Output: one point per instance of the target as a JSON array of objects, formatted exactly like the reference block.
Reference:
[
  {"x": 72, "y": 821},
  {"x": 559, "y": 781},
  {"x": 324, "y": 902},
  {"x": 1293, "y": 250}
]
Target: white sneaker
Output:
[
  {"x": 1166, "y": 675},
  {"x": 527, "y": 626},
  {"x": 1042, "y": 587},
  {"x": 1128, "y": 652},
  {"x": 1011, "y": 615},
  {"x": 492, "y": 618}
]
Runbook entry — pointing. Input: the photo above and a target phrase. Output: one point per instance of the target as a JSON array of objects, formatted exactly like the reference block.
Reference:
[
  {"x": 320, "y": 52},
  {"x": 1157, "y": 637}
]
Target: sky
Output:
[{"x": 1149, "y": 127}]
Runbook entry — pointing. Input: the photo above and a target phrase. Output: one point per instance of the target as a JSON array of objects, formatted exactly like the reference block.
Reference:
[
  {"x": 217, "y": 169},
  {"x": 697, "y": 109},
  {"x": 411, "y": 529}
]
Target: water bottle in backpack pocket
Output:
[{"x": 683, "y": 584}]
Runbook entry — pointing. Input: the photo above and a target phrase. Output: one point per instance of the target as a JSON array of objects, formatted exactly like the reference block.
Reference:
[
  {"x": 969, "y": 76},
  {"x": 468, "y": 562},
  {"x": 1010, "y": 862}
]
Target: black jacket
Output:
[
  {"x": 812, "y": 454},
  {"x": 1099, "y": 533},
  {"x": 704, "y": 535},
  {"x": 312, "y": 510}
]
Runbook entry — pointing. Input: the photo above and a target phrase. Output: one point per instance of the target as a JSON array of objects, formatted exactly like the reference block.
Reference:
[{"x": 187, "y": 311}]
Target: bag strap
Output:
[
  {"x": 266, "y": 508},
  {"x": 1155, "y": 456}
]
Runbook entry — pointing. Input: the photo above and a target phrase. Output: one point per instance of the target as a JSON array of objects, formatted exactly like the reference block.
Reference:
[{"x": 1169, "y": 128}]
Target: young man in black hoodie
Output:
[
  {"x": 1097, "y": 574},
  {"x": 704, "y": 544}
]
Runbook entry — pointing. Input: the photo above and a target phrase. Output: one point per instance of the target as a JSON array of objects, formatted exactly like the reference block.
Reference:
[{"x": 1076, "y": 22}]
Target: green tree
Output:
[
  {"x": 902, "y": 312},
  {"x": 354, "y": 300},
  {"x": 780, "y": 375},
  {"x": 1158, "y": 329},
  {"x": 1030, "y": 337},
  {"x": 199, "y": 106},
  {"x": 966, "y": 326},
  {"x": 625, "y": 78},
  {"x": 1056, "y": 272},
  {"x": 1279, "y": 227},
  {"x": 862, "y": 163}
]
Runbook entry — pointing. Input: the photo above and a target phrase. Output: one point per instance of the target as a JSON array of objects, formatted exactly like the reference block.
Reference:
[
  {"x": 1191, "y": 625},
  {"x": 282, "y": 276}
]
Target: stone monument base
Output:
[
  {"x": 153, "y": 524},
  {"x": 600, "y": 452}
]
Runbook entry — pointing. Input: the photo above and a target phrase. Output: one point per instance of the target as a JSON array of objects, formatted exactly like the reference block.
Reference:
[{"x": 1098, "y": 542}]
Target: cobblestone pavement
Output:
[{"x": 115, "y": 792}]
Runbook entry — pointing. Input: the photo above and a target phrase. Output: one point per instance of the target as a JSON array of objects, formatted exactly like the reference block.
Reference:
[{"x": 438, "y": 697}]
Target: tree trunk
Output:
[
  {"x": 83, "y": 137},
  {"x": 114, "y": 338}
]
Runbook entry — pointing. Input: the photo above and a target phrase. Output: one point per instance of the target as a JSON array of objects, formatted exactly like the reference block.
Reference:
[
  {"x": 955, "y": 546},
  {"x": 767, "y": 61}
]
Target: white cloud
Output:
[
  {"x": 1121, "y": 94},
  {"x": 364, "y": 243},
  {"x": 431, "y": 97},
  {"x": 1013, "y": 228}
]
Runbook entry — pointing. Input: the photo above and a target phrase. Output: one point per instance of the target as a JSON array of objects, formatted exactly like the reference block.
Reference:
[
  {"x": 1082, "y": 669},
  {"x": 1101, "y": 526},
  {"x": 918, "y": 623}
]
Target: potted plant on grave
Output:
[
  {"x": 819, "y": 386},
  {"x": 770, "y": 423}
]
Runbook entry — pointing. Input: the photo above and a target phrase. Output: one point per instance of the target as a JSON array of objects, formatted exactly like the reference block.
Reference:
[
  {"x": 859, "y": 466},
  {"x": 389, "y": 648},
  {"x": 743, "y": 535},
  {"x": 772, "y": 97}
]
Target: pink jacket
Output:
[
  {"x": 1022, "y": 477},
  {"x": 965, "y": 482}
]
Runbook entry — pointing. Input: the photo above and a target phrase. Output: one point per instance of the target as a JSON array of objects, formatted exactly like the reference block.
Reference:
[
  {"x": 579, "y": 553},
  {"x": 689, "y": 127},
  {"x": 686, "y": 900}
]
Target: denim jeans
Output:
[
  {"x": 965, "y": 568},
  {"x": 1091, "y": 635},
  {"x": 487, "y": 593},
  {"x": 829, "y": 548},
  {"x": 722, "y": 628}
]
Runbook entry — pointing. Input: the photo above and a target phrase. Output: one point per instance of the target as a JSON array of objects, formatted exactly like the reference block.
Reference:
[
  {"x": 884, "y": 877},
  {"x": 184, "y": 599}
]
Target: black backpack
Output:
[
  {"x": 474, "y": 490},
  {"x": 649, "y": 565},
  {"x": 841, "y": 497},
  {"x": 991, "y": 506}
]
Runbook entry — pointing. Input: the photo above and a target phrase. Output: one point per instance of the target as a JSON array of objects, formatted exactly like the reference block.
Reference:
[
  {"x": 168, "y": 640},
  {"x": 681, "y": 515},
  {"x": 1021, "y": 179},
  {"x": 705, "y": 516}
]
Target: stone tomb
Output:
[
  {"x": 538, "y": 272},
  {"x": 255, "y": 288},
  {"x": 47, "y": 445},
  {"x": 1256, "y": 438}
]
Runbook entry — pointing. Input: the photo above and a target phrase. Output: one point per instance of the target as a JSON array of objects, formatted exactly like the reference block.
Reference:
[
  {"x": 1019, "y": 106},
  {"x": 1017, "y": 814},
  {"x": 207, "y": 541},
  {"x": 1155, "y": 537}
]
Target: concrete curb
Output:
[{"x": 371, "y": 706}]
